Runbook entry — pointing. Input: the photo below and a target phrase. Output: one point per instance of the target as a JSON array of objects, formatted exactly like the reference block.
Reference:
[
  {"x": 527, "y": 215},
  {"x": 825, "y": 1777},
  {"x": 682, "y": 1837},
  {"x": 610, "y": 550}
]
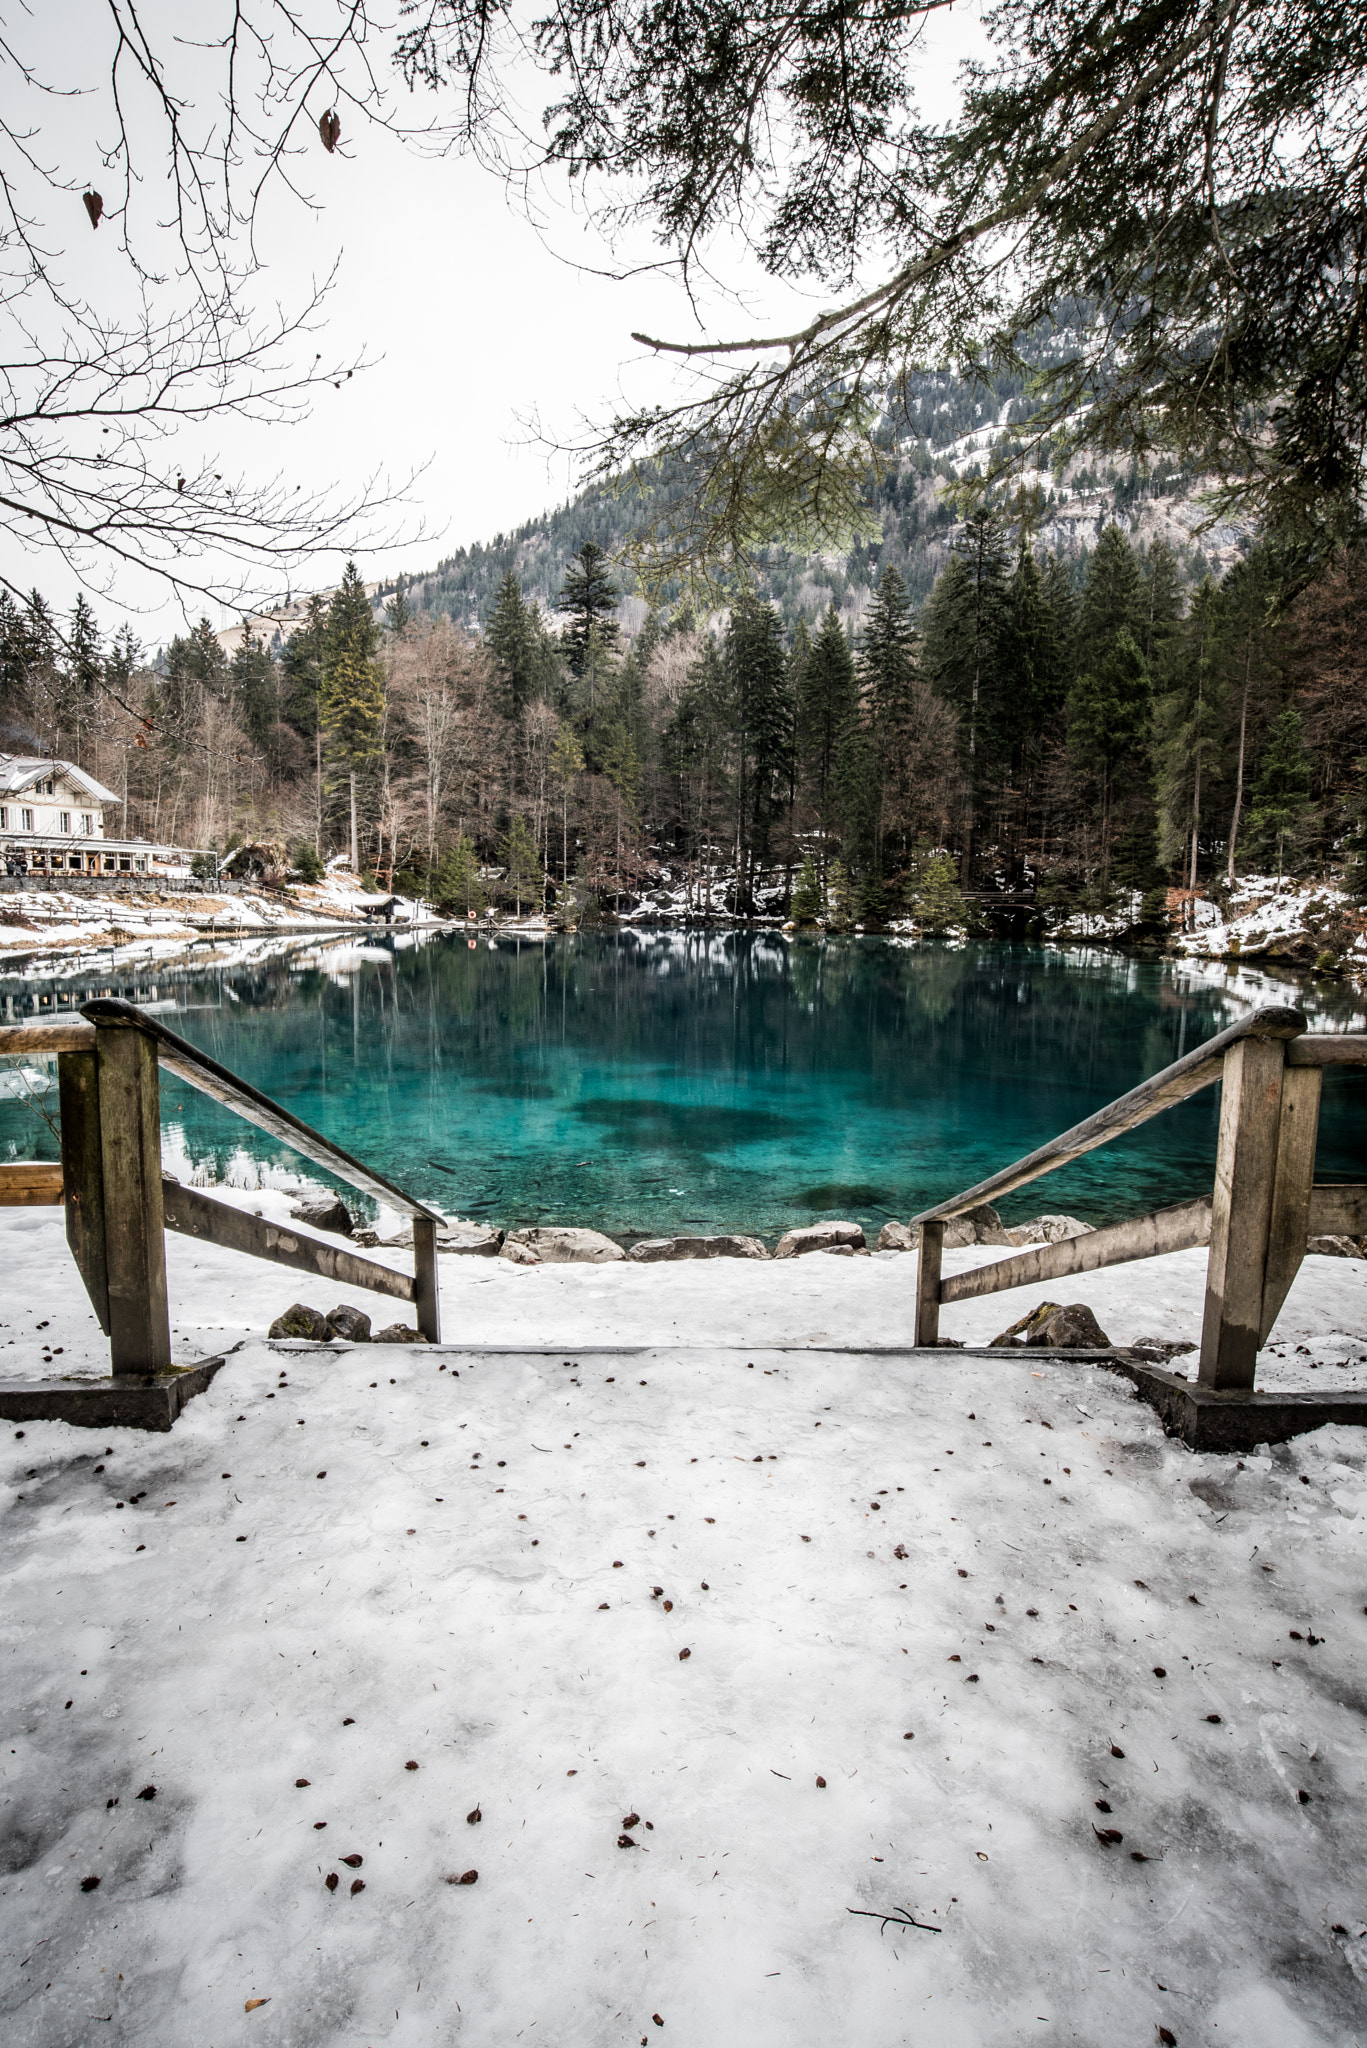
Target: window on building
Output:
[
  {"x": 125, "y": 865},
  {"x": 141, "y": 863},
  {"x": 87, "y": 822},
  {"x": 27, "y": 817},
  {"x": 63, "y": 821},
  {"x": 4, "y": 818}
]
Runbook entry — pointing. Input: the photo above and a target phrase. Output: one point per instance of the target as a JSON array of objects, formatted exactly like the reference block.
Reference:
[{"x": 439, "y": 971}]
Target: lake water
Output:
[{"x": 660, "y": 1082}]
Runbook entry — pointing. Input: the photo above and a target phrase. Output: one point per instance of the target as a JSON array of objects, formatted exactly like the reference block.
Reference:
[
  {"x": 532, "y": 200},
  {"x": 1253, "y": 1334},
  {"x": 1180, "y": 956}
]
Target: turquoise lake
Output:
[{"x": 650, "y": 1082}]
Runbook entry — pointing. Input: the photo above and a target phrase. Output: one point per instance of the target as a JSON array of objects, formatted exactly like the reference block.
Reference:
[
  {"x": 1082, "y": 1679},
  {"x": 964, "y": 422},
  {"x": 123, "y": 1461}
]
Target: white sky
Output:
[{"x": 472, "y": 319}]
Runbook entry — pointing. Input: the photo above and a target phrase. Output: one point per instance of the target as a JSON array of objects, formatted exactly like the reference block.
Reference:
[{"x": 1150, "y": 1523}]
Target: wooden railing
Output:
[
  {"x": 1256, "y": 1220},
  {"x": 118, "y": 1202}
]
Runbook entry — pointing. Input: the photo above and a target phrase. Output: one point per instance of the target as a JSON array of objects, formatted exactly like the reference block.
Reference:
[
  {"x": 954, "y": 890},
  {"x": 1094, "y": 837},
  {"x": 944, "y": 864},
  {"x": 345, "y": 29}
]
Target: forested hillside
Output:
[
  {"x": 1073, "y": 730},
  {"x": 943, "y": 434}
]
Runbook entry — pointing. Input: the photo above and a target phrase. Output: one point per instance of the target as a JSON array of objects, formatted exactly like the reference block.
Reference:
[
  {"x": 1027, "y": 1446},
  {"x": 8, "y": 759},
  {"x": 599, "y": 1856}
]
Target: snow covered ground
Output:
[
  {"x": 63, "y": 922},
  {"x": 574, "y": 1589}
]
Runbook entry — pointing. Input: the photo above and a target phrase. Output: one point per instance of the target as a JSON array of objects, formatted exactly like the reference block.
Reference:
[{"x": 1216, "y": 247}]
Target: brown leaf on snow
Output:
[
  {"x": 90, "y": 1884},
  {"x": 353, "y": 1862},
  {"x": 631, "y": 1820},
  {"x": 299, "y": 1784},
  {"x": 473, "y": 1819},
  {"x": 357, "y": 1885},
  {"x": 625, "y": 1842},
  {"x": 1115, "y": 1751},
  {"x": 1167, "y": 2037},
  {"x": 821, "y": 1784},
  {"x": 252, "y": 2004},
  {"x": 683, "y": 1654},
  {"x": 410, "y": 1765},
  {"x": 332, "y": 1880},
  {"x": 669, "y": 1606},
  {"x": 1108, "y": 1835},
  {"x": 1102, "y": 1805}
]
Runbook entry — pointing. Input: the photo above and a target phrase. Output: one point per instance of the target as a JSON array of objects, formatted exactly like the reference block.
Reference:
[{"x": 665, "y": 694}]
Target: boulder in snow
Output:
[
  {"x": 352, "y": 1325},
  {"x": 899, "y": 1237},
  {"x": 558, "y": 1244},
  {"x": 332, "y": 1214},
  {"x": 302, "y": 1321},
  {"x": 651, "y": 1250},
  {"x": 818, "y": 1237},
  {"x": 1335, "y": 1247},
  {"x": 1054, "y": 1328},
  {"x": 398, "y": 1333}
]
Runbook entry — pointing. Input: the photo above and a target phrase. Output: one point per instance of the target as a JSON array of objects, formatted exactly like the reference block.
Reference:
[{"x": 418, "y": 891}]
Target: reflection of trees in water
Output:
[{"x": 682, "y": 1055}]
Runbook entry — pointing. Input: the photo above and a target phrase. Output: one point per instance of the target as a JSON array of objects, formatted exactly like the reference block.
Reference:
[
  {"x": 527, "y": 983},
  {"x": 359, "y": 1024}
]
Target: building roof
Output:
[{"x": 17, "y": 771}]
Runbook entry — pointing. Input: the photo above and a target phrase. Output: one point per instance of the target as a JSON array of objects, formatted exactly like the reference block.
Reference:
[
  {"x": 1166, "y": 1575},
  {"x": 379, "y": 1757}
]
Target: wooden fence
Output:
[
  {"x": 119, "y": 1203},
  {"x": 1263, "y": 1206}
]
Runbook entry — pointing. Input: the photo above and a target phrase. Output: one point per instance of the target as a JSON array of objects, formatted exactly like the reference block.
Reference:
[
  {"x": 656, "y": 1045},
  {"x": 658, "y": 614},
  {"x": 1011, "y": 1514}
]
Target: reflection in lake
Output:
[{"x": 653, "y": 1082}]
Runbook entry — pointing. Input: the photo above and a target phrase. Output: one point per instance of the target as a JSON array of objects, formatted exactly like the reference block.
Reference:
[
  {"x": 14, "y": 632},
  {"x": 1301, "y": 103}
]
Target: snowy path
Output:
[
  {"x": 430, "y": 1544},
  {"x": 454, "y": 1560}
]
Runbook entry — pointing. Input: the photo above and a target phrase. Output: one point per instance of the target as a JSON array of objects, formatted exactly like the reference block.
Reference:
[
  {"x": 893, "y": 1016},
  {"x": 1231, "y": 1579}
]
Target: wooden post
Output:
[
  {"x": 130, "y": 1155},
  {"x": 1290, "y": 1220},
  {"x": 928, "y": 1261},
  {"x": 425, "y": 1278},
  {"x": 1245, "y": 1171},
  {"x": 78, "y": 1084}
]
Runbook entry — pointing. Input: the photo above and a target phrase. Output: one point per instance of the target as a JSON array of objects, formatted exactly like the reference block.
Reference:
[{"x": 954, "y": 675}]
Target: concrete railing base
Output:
[{"x": 128, "y": 1402}]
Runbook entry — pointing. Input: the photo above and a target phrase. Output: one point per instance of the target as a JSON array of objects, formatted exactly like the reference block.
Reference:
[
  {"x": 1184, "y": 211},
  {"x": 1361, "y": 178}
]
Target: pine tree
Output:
[
  {"x": 1112, "y": 602},
  {"x": 351, "y": 627},
  {"x": 79, "y": 672},
  {"x": 524, "y": 879},
  {"x": 512, "y": 640},
  {"x": 352, "y": 707},
  {"x": 398, "y": 615},
  {"x": 1108, "y": 714},
  {"x": 887, "y": 656},
  {"x": 1281, "y": 795},
  {"x": 254, "y": 681},
  {"x": 826, "y": 704},
  {"x": 938, "y": 904},
  {"x": 567, "y": 765},
  {"x": 457, "y": 884},
  {"x": 762, "y": 710},
  {"x": 807, "y": 893},
  {"x": 588, "y": 597},
  {"x": 1188, "y": 721}
]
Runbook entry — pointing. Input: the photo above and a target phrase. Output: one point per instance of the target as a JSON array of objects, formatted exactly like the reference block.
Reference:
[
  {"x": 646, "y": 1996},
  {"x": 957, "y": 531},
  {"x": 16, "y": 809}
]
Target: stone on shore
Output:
[
  {"x": 518, "y": 1254},
  {"x": 471, "y": 1240},
  {"x": 1053, "y": 1328},
  {"x": 818, "y": 1237},
  {"x": 653, "y": 1249},
  {"x": 1054, "y": 1229},
  {"x": 899, "y": 1237},
  {"x": 300, "y": 1321},
  {"x": 352, "y": 1325},
  {"x": 332, "y": 1214},
  {"x": 557, "y": 1244}
]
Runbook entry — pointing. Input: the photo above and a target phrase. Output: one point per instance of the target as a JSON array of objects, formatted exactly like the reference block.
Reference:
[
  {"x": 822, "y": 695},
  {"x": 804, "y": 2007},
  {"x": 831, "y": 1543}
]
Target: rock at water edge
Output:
[
  {"x": 651, "y": 1250},
  {"x": 330, "y": 1215},
  {"x": 557, "y": 1244},
  {"x": 899, "y": 1237},
  {"x": 818, "y": 1237}
]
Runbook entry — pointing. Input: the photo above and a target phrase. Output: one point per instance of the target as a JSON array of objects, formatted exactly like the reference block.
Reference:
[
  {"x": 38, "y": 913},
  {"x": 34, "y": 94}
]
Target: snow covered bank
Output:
[
  {"x": 946, "y": 1626},
  {"x": 662, "y": 1597}
]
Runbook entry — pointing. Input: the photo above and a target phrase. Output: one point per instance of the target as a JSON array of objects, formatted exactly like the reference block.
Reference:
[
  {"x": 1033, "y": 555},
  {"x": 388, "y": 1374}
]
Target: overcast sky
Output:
[{"x": 472, "y": 318}]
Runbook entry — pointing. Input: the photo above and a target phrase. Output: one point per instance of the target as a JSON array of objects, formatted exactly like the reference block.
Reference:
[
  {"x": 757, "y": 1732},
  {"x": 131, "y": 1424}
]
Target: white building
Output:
[{"x": 52, "y": 822}]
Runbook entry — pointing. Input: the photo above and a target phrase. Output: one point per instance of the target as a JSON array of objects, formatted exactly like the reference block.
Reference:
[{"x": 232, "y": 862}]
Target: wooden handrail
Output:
[
  {"x": 200, "y": 1071},
  {"x": 1328, "y": 1049},
  {"x": 1197, "y": 1070},
  {"x": 67, "y": 1034}
]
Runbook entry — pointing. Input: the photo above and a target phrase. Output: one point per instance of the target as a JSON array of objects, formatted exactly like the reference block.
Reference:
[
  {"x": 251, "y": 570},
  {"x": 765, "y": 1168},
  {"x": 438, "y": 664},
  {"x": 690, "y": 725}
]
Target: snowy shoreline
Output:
[{"x": 720, "y": 1648}]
